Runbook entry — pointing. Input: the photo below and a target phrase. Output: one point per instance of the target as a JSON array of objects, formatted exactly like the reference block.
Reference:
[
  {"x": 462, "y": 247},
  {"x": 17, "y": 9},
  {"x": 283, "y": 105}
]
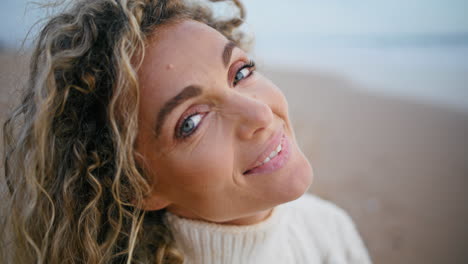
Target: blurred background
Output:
[{"x": 378, "y": 94}]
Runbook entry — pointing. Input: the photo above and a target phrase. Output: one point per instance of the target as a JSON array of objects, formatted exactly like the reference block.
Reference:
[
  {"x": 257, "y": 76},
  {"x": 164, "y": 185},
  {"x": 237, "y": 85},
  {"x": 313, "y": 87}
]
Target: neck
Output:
[{"x": 251, "y": 219}]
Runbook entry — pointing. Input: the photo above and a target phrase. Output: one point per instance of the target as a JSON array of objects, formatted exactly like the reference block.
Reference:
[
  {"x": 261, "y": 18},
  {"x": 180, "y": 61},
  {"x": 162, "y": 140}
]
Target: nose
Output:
[{"x": 254, "y": 115}]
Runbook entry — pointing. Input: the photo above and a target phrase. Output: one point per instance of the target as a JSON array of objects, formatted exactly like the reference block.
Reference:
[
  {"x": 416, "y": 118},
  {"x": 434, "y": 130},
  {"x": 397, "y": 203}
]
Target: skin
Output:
[{"x": 201, "y": 176}]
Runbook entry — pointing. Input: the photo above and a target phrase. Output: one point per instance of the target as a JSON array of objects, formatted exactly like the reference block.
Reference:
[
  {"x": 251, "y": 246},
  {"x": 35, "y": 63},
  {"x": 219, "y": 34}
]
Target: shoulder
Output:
[{"x": 329, "y": 227}]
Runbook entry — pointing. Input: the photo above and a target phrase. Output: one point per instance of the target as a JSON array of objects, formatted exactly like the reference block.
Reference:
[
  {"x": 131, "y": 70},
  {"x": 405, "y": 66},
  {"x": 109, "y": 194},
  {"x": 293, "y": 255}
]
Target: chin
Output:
[
  {"x": 298, "y": 181},
  {"x": 302, "y": 178}
]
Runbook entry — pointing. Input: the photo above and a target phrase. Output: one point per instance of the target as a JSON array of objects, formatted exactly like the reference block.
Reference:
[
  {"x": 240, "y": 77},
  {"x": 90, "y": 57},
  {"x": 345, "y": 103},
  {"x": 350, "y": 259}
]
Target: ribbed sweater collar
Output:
[{"x": 204, "y": 242}]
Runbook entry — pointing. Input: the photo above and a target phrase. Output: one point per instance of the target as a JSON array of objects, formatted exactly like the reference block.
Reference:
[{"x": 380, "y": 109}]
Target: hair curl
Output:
[{"x": 74, "y": 187}]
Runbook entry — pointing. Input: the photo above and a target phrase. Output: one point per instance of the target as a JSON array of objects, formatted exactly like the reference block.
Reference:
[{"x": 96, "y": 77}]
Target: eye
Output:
[
  {"x": 244, "y": 72},
  {"x": 189, "y": 125}
]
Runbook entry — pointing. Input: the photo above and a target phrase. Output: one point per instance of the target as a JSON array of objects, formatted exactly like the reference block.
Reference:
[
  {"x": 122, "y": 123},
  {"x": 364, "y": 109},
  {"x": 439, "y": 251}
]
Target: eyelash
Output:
[
  {"x": 179, "y": 134},
  {"x": 250, "y": 65}
]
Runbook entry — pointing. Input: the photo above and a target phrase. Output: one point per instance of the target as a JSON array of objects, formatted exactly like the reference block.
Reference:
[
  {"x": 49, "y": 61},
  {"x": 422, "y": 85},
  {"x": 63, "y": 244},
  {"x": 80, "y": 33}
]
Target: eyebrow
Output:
[
  {"x": 187, "y": 93},
  {"x": 227, "y": 52}
]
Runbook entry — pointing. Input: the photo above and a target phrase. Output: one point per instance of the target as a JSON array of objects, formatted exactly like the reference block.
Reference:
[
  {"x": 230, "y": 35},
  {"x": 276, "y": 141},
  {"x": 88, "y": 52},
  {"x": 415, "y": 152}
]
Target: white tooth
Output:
[
  {"x": 273, "y": 154},
  {"x": 279, "y": 148},
  {"x": 266, "y": 160}
]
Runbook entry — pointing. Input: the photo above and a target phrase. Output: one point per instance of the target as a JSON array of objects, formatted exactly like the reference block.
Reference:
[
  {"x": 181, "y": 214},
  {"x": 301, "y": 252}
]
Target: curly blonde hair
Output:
[{"x": 74, "y": 186}]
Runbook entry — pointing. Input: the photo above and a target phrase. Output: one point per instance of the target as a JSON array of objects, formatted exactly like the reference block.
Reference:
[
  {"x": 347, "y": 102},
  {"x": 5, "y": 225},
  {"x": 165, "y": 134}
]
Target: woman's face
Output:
[{"x": 207, "y": 122}]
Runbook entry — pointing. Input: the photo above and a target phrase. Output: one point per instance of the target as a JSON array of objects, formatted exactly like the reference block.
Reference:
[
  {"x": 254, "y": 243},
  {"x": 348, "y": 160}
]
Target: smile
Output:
[
  {"x": 273, "y": 154},
  {"x": 274, "y": 159}
]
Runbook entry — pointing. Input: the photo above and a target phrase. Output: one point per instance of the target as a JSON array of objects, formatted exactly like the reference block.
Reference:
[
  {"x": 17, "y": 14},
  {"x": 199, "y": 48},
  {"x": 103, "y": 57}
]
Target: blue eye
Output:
[
  {"x": 244, "y": 72},
  {"x": 189, "y": 125}
]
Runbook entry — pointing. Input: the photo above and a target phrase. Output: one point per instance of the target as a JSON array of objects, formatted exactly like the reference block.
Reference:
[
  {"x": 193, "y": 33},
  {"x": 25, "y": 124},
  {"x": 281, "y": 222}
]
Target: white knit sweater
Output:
[{"x": 307, "y": 230}]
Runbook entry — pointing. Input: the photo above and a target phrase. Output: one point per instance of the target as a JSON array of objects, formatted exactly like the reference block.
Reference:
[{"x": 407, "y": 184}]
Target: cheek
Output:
[
  {"x": 274, "y": 97},
  {"x": 207, "y": 166}
]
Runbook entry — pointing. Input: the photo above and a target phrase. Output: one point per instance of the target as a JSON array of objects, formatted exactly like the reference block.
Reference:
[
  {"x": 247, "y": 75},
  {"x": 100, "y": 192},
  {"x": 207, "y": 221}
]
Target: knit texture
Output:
[{"x": 307, "y": 230}]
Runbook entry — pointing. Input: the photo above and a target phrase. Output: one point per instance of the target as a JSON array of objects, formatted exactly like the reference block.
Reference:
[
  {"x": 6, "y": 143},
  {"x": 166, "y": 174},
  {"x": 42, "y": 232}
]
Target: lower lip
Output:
[{"x": 277, "y": 162}]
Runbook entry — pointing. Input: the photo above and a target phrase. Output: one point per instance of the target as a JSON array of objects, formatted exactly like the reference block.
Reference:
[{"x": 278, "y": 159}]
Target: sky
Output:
[
  {"x": 314, "y": 17},
  {"x": 338, "y": 17}
]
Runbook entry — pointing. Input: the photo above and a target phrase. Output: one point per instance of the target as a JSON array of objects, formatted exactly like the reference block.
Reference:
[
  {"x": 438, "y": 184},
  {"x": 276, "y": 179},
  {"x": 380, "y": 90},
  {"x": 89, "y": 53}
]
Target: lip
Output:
[{"x": 277, "y": 162}]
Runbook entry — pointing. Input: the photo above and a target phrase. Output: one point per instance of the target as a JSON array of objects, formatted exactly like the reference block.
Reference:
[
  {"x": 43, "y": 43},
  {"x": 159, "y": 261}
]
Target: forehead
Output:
[{"x": 177, "y": 54}]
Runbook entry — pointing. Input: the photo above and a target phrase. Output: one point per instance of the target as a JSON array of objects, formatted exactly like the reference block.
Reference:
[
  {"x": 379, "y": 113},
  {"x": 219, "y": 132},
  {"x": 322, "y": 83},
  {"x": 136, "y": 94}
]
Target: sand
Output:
[{"x": 398, "y": 167}]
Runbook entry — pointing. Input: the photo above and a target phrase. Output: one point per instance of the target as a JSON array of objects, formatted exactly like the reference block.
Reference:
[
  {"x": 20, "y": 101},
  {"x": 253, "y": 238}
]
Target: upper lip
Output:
[{"x": 267, "y": 148}]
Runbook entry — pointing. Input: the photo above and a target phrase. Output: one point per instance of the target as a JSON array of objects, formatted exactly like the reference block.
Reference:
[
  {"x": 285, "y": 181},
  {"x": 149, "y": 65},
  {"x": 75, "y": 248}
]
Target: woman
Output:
[{"x": 146, "y": 136}]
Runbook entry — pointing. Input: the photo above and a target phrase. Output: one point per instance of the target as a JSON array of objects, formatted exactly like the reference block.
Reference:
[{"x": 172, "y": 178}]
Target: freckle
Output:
[{"x": 169, "y": 66}]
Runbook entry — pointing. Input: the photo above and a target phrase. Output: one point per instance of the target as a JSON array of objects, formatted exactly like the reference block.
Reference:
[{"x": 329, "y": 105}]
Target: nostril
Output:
[
  {"x": 254, "y": 115},
  {"x": 260, "y": 118},
  {"x": 260, "y": 129}
]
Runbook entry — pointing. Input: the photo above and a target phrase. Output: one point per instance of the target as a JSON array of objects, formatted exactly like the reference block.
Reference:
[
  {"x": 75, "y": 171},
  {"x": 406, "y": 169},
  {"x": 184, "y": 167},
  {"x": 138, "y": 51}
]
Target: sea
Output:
[{"x": 428, "y": 68}]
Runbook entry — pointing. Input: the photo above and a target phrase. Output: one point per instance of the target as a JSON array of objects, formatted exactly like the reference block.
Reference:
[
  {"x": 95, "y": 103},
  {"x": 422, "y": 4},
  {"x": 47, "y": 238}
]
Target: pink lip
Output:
[{"x": 277, "y": 162}]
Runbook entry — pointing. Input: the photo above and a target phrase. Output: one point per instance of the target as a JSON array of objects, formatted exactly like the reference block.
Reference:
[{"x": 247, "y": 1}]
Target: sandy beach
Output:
[{"x": 398, "y": 167}]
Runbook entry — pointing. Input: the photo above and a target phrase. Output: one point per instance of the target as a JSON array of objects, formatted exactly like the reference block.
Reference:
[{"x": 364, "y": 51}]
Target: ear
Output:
[{"x": 154, "y": 202}]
